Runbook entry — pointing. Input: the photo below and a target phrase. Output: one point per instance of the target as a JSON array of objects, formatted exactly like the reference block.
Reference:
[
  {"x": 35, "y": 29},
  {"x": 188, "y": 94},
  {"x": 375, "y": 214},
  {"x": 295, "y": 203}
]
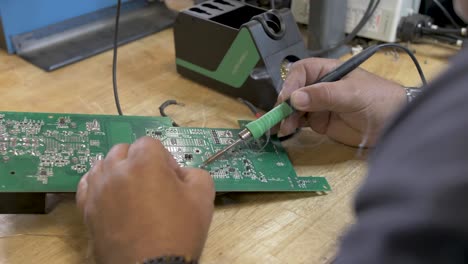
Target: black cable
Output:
[
  {"x": 353, "y": 63},
  {"x": 163, "y": 107},
  {"x": 442, "y": 31},
  {"x": 372, "y": 6},
  {"x": 413, "y": 58},
  {"x": 446, "y": 13},
  {"x": 251, "y": 107},
  {"x": 284, "y": 138},
  {"x": 451, "y": 40},
  {"x": 114, "y": 62}
]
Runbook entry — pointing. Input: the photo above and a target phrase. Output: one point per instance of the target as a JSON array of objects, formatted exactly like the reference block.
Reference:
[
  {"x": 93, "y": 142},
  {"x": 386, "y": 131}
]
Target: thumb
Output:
[
  {"x": 82, "y": 193},
  {"x": 330, "y": 96},
  {"x": 199, "y": 181}
]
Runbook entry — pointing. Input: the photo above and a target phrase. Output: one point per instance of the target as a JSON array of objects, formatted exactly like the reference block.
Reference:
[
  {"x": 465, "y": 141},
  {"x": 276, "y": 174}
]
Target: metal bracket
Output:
[{"x": 81, "y": 37}]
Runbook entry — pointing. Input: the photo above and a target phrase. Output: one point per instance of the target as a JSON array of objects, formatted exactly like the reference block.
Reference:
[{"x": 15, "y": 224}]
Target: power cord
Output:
[
  {"x": 114, "y": 60},
  {"x": 357, "y": 60},
  {"x": 163, "y": 107},
  {"x": 416, "y": 26},
  {"x": 251, "y": 107}
]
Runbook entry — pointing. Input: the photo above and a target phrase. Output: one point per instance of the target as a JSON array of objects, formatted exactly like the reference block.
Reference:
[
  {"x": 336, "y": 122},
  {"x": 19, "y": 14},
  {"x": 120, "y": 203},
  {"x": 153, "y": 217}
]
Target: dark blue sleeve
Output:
[{"x": 413, "y": 207}]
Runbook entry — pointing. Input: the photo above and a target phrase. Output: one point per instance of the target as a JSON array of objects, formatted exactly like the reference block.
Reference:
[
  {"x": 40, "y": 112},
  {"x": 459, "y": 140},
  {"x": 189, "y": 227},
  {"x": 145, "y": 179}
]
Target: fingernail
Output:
[
  {"x": 284, "y": 129},
  {"x": 300, "y": 99},
  {"x": 280, "y": 96}
]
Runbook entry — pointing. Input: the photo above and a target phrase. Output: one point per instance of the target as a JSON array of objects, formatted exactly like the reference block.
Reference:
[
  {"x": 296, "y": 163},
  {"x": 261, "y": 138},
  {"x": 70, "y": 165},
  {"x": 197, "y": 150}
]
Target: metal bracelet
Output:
[{"x": 412, "y": 93}]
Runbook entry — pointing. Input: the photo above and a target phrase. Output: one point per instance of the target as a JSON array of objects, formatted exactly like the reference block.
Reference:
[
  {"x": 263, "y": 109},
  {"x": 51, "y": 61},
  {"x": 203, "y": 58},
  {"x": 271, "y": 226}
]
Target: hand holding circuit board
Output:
[{"x": 144, "y": 179}]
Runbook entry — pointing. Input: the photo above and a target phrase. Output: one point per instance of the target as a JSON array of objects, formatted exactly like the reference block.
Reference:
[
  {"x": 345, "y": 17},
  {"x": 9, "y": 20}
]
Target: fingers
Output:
[
  {"x": 306, "y": 72},
  {"x": 319, "y": 121},
  {"x": 147, "y": 150},
  {"x": 303, "y": 73},
  {"x": 172, "y": 162},
  {"x": 333, "y": 96},
  {"x": 290, "y": 124},
  {"x": 86, "y": 183},
  {"x": 200, "y": 181},
  {"x": 117, "y": 153},
  {"x": 151, "y": 154},
  {"x": 81, "y": 193},
  {"x": 337, "y": 129}
]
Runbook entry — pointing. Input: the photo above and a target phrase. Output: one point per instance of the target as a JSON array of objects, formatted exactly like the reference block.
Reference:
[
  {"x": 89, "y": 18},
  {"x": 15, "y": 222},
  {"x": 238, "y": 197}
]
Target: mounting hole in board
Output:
[{"x": 12, "y": 172}]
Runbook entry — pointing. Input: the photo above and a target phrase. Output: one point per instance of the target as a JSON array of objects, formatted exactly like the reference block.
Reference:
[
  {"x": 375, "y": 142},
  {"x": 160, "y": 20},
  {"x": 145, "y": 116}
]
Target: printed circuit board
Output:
[{"x": 49, "y": 152}]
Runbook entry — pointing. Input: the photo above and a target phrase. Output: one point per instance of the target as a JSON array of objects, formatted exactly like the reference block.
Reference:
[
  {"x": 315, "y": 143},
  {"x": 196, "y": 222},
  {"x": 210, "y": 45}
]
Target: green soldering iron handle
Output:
[{"x": 260, "y": 126}]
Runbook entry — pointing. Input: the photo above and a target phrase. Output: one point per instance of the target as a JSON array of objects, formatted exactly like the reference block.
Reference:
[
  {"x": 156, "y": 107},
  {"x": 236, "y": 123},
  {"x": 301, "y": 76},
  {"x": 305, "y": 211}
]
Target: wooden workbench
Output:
[{"x": 247, "y": 228}]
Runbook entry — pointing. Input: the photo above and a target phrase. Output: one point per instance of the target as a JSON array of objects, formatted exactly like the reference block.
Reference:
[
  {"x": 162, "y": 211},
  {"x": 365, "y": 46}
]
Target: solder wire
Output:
[{"x": 268, "y": 137}]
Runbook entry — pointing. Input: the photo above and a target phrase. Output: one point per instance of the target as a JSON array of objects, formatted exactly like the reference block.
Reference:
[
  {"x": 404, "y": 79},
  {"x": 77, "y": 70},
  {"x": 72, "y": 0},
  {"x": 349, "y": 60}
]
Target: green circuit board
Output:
[{"x": 49, "y": 152}]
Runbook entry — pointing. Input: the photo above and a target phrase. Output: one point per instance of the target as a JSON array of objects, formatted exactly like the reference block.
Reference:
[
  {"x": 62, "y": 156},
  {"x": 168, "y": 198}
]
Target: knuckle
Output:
[
  {"x": 328, "y": 96},
  {"x": 89, "y": 211},
  {"x": 117, "y": 150},
  {"x": 134, "y": 166},
  {"x": 119, "y": 147},
  {"x": 80, "y": 196},
  {"x": 146, "y": 142},
  {"x": 90, "y": 176},
  {"x": 208, "y": 178},
  {"x": 97, "y": 165},
  {"x": 205, "y": 178}
]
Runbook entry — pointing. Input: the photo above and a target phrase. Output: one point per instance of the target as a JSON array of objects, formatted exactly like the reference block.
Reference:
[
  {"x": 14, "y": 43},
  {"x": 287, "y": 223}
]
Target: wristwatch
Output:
[
  {"x": 170, "y": 260},
  {"x": 412, "y": 93}
]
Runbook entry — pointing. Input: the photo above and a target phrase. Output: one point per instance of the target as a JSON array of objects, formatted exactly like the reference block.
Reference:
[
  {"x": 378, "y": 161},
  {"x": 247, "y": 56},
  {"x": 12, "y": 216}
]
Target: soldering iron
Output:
[{"x": 257, "y": 128}]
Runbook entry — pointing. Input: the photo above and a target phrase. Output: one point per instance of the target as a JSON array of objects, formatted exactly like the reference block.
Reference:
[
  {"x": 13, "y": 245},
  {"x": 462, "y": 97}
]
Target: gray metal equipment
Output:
[
  {"x": 78, "y": 38},
  {"x": 327, "y": 20}
]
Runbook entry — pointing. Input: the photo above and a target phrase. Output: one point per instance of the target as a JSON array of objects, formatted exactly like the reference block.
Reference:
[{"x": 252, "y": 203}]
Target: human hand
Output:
[
  {"x": 139, "y": 204},
  {"x": 352, "y": 110}
]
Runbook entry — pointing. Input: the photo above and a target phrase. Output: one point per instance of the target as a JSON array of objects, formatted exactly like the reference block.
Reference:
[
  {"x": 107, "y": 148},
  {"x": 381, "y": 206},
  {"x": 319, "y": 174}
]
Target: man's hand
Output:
[
  {"x": 138, "y": 204},
  {"x": 352, "y": 111}
]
